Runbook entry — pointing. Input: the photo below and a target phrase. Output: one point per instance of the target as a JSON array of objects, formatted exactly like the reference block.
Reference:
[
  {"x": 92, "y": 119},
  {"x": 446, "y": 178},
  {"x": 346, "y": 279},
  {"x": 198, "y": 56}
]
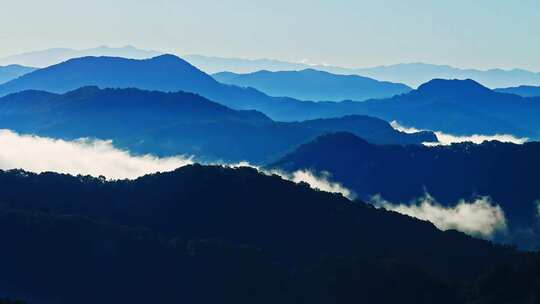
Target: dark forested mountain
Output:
[
  {"x": 525, "y": 91},
  {"x": 13, "y": 71},
  {"x": 453, "y": 106},
  {"x": 505, "y": 172},
  {"x": 310, "y": 84},
  {"x": 177, "y": 123},
  {"x": 205, "y": 234}
]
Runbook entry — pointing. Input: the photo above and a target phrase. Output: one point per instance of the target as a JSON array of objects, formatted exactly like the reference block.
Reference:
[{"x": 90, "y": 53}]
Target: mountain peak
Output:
[
  {"x": 466, "y": 85},
  {"x": 167, "y": 57}
]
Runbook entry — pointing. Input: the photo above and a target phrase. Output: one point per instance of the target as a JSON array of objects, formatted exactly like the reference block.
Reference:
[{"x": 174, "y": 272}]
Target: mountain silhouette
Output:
[
  {"x": 177, "y": 235},
  {"x": 411, "y": 74},
  {"x": 525, "y": 91},
  {"x": 414, "y": 74},
  {"x": 452, "y": 106},
  {"x": 178, "y": 123},
  {"x": 48, "y": 57},
  {"x": 402, "y": 174},
  {"x": 164, "y": 73},
  {"x": 310, "y": 84},
  {"x": 13, "y": 71}
]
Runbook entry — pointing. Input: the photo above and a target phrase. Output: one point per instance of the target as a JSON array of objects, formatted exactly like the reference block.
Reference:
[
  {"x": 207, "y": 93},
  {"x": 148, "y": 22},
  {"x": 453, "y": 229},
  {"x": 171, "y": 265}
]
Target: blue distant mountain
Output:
[
  {"x": 414, "y": 74},
  {"x": 453, "y": 106},
  {"x": 525, "y": 91},
  {"x": 411, "y": 74},
  {"x": 462, "y": 107},
  {"x": 166, "y": 73},
  {"x": 310, "y": 84},
  {"x": 13, "y": 71},
  {"x": 49, "y": 57},
  {"x": 214, "y": 64},
  {"x": 169, "y": 124}
]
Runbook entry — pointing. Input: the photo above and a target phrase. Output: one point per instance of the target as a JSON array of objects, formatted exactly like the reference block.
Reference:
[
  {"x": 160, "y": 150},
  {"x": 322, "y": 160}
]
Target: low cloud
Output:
[
  {"x": 83, "y": 156},
  {"x": 100, "y": 157},
  {"x": 445, "y": 139},
  {"x": 320, "y": 181},
  {"x": 480, "y": 217}
]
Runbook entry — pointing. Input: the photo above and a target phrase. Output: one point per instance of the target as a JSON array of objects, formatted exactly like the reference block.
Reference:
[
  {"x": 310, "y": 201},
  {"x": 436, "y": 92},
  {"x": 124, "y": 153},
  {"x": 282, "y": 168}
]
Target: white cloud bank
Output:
[
  {"x": 83, "y": 156},
  {"x": 480, "y": 217},
  {"x": 97, "y": 157},
  {"x": 446, "y": 139},
  {"x": 100, "y": 157}
]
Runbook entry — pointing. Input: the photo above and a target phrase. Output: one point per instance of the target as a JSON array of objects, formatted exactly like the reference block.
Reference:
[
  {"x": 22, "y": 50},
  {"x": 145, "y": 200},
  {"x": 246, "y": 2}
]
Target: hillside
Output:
[{"x": 211, "y": 222}]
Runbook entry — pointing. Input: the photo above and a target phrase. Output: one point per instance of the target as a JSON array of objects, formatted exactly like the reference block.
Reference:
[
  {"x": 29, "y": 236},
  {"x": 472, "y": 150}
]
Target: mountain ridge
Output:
[
  {"x": 411, "y": 74},
  {"x": 48, "y": 57},
  {"x": 310, "y": 84},
  {"x": 226, "y": 230},
  {"x": 168, "y": 124},
  {"x": 449, "y": 174},
  {"x": 13, "y": 71},
  {"x": 523, "y": 90},
  {"x": 457, "y": 109}
]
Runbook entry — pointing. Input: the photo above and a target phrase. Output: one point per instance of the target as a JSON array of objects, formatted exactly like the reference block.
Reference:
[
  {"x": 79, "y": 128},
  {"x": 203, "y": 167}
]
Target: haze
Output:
[{"x": 474, "y": 34}]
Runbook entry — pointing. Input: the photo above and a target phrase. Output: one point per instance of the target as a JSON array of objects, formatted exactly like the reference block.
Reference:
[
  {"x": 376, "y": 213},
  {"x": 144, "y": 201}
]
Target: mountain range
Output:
[
  {"x": 48, "y": 57},
  {"x": 168, "y": 124},
  {"x": 164, "y": 73},
  {"x": 411, "y": 74},
  {"x": 13, "y": 71},
  {"x": 525, "y": 91},
  {"x": 314, "y": 85},
  {"x": 244, "y": 236},
  {"x": 402, "y": 174},
  {"x": 452, "y": 106}
]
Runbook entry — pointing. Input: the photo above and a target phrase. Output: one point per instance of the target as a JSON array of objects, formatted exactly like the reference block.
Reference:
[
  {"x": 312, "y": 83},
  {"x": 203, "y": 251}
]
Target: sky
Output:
[{"x": 353, "y": 33}]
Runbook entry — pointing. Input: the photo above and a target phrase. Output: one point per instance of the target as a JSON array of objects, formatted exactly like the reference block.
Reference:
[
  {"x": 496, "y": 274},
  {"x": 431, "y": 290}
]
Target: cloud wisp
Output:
[
  {"x": 446, "y": 139},
  {"x": 480, "y": 217},
  {"x": 82, "y": 156},
  {"x": 321, "y": 181}
]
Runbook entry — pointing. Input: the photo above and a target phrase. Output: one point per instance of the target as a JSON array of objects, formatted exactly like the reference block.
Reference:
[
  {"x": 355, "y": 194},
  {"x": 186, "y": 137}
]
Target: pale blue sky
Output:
[{"x": 463, "y": 33}]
